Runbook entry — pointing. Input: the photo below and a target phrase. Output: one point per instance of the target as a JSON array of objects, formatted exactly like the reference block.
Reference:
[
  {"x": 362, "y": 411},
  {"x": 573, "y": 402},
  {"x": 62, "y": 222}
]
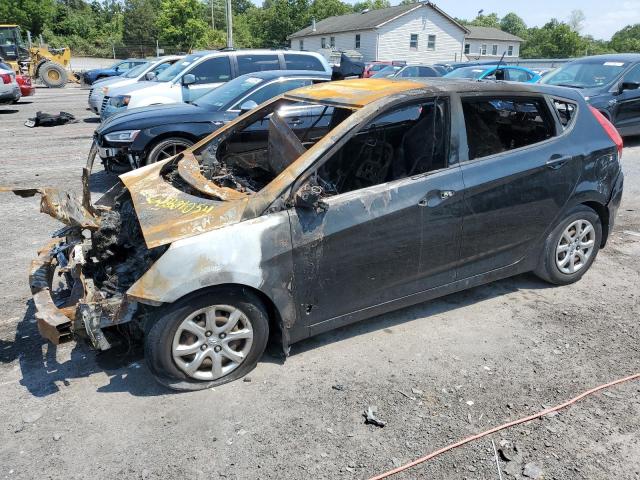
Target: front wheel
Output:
[
  {"x": 571, "y": 247},
  {"x": 166, "y": 148},
  {"x": 207, "y": 339}
]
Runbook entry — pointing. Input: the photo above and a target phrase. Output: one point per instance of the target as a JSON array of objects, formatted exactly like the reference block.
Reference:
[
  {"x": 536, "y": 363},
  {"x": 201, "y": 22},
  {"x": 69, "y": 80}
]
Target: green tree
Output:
[
  {"x": 321, "y": 9},
  {"x": 490, "y": 20},
  {"x": 576, "y": 20},
  {"x": 31, "y": 15},
  {"x": 140, "y": 17},
  {"x": 371, "y": 5},
  {"x": 627, "y": 39},
  {"x": 181, "y": 24},
  {"x": 554, "y": 40},
  {"x": 514, "y": 25}
]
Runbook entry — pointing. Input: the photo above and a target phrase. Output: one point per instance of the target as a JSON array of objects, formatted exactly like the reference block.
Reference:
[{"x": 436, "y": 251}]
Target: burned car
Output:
[{"x": 377, "y": 195}]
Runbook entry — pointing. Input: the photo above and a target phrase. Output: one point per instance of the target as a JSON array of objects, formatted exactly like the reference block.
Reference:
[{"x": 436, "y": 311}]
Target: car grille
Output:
[
  {"x": 90, "y": 92},
  {"x": 105, "y": 100}
]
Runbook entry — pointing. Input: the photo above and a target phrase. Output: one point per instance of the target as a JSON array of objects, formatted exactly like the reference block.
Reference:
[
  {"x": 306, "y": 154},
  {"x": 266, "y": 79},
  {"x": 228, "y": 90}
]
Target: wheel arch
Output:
[{"x": 603, "y": 213}]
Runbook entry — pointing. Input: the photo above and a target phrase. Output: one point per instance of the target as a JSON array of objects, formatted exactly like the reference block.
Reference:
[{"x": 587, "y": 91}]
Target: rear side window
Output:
[
  {"x": 257, "y": 63},
  {"x": 496, "y": 125},
  {"x": 303, "y": 62},
  {"x": 276, "y": 88},
  {"x": 214, "y": 70},
  {"x": 566, "y": 112},
  {"x": 518, "y": 75}
]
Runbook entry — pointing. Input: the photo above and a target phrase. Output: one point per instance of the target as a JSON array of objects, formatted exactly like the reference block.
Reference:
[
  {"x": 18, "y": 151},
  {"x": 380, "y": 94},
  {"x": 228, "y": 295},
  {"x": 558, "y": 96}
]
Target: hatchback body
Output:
[
  {"x": 376, "y": 195},
  {"x": 149, "y": 134},
  {"x": 201, "y": 72},
  {"x": 610, "y": 83}
]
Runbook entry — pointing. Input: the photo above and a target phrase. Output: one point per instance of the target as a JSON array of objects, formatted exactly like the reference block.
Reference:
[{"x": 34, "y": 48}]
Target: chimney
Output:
[{"x": 313, "y": 24}]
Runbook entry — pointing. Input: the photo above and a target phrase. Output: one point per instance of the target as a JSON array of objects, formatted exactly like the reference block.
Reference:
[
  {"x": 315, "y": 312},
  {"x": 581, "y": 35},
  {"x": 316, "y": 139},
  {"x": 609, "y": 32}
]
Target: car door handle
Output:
[
  {"x": 557, "y": 161},
  {"x": 295, "y": 121},
  {"x": 435, "y": 197}
]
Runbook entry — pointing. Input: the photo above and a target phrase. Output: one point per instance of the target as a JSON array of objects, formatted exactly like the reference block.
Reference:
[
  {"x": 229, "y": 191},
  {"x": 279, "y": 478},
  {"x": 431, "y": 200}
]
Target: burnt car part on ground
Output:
[
  {"x": 255, "y": 233},
  {"x": 146, "y": 135}
]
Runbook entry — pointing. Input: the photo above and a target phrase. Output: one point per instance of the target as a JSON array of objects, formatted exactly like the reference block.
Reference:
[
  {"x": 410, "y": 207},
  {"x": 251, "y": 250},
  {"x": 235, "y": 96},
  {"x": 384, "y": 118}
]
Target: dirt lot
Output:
[{"x": 474, "y": 360}]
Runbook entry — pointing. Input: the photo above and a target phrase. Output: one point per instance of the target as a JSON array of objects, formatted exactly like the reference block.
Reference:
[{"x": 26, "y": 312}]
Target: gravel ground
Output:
[{"x": 436, "y": 372}]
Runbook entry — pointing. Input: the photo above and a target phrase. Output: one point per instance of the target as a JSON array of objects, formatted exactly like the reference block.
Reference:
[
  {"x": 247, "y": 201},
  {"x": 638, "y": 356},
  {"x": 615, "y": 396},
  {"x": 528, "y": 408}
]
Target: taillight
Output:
[
  {"x": 6, "y": 78},
  {"x": 609, "y": 128}
]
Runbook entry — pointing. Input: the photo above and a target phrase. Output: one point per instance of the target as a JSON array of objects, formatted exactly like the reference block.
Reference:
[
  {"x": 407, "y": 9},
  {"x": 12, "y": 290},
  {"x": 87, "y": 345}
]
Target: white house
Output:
[
  {"x": 419, "y": 32},
  {"x": 486, "y": 43}
]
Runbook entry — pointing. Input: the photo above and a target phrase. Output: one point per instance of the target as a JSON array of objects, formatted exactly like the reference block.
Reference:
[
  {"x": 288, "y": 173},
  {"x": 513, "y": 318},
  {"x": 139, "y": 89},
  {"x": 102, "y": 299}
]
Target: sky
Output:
[{"x": 603, "y": 19}]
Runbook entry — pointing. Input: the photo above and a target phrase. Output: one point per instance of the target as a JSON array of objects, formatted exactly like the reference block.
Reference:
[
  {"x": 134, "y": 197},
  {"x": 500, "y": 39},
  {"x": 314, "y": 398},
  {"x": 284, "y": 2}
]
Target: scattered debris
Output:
[
  {"x": 338, "y": 387},
  {"x": 495, "y": 453},
  {"x": 242, "y": 432},
  {"x": 330, "y": 430},
  {"x": 416, "y": 391},
  {"x": 246, "y": 379},
  {"x": 406, "y": 395},
  {"x": 57, "y": 436},
  {"x": 50, "y": 120},
  {"x": 32, "y": 416},
  {"x": 370, "y": 417},
  {"x": 531, "y": 470},
  {"x": 470, "y": 402},
  {"x": 509, "y": 451}
]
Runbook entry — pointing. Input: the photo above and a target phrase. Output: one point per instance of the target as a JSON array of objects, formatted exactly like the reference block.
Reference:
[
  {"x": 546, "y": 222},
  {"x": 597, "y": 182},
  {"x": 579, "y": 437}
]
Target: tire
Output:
[
  {"x": 53, "y": 75},
  {"x": 172, "y": 332},
  {"x": 566, "y": 257},
  {"x": 167, "y": 148}
]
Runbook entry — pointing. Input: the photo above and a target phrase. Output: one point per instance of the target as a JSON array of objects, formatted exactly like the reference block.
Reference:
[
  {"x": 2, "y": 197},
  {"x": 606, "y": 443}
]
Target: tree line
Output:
[{"x": 108, "y": 27}]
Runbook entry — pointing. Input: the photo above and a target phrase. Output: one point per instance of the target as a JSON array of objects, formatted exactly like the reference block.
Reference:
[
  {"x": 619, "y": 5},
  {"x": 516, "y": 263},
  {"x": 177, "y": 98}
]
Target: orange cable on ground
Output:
[{"x": 502, "y": 427}]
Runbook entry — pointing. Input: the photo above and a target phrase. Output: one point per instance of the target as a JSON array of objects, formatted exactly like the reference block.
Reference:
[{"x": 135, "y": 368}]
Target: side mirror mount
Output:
[
  {"x": 188, "y": 79},
  {"x": 150, "y": 76},
  {"x": 246, "y": 106},
  {"x": 309, "y": 197},
  {"x": 628, "y": 86}
]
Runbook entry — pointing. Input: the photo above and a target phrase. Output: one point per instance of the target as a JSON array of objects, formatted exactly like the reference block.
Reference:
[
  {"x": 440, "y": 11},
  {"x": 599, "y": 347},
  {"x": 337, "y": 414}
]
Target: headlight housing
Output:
[
  {"x": 123, "y": 136},
  {"x": 120, "y": 101}
]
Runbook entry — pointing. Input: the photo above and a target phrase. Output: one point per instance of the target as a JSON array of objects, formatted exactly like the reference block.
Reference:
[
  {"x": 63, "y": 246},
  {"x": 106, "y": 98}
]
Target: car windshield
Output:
[
  {"x": 386, "y": 72},
  {"x": 135, "y": 71},
  {"x": 467, "y": 72},
  {"x": 175, "y": 69},
  {"x": 227, "y": 93},
  {"x": 585, "y": 74}
]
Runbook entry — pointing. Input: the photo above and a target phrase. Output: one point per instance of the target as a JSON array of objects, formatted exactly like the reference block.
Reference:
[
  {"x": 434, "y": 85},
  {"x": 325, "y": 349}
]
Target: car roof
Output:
[
  {"x": 620, "y": 57},
  {"x": 270, "y": 74},
  {"x": 356, "y": 94}
]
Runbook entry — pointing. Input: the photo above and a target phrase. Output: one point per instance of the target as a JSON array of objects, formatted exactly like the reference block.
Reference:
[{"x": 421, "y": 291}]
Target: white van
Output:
[{"x": 200, "y": 72}]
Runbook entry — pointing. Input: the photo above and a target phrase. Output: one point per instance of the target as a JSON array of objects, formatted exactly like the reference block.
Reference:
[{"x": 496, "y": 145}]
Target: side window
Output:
[
  {"x": 566, "y": 112},
  {"x": 427, "y": 72},
  {"x": 633, "y": 75},
  {"x": 517, "y": 75},
  {"x": 302, "y": 62},
  {"x": 497, "y": 125},
  {"x": 276, "y": 88},
  {"x": 409, "y": 72},
  {"x": 214, "y": 70},
  {"x": 403, "y": 142},
  {"x": 257, "y": 63},
  {"x": 161, "y": 67}
]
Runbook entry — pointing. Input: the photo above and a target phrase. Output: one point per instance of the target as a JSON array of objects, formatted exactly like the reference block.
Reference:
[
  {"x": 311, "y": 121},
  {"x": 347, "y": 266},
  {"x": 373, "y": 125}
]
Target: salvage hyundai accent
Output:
[{"x": 328, "y": 205}]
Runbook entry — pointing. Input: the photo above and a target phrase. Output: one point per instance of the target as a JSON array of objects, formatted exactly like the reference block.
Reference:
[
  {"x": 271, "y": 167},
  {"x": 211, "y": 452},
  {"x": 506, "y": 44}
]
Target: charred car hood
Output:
[
  {"x": 153, "y": 116},
  {"x": 167, "y": 214}
]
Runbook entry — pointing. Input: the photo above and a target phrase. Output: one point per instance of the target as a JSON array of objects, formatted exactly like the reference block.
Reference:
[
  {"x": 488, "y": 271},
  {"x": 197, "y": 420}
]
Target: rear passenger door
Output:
[
  {"x": 519, "y": 174},
  {"x": 210, "y": 73}
]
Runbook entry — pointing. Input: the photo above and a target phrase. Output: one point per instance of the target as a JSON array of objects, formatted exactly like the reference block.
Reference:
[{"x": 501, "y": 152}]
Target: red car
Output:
[
  {"x": 374, "y": 67},
  {"x": 26, "y": 87}
]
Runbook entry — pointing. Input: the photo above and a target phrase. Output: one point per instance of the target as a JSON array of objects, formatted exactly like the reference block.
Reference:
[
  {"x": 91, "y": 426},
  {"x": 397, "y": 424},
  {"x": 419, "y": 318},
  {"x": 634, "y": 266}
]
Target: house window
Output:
[
  {"x": 494, "y": 50},
  {"x": 357, "y": 40},
  {"x": 510, "y": 51},
  {"x": 332, "y": 42},
  {"x": 301, "y": 43},
  {"x": 467, "y": 48},
  {"x": 483, "y": 49},
  {"x": 323, "y": 42},
  {"x": 431, "y": 42},
  {"x": 413, "y": 41}
]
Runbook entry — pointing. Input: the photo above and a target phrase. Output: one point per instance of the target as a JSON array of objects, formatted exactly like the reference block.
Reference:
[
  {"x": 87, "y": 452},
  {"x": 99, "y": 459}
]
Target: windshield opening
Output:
[
  {"x": 135, "y": 71},
  {"x": 585, "y": 74},
  {"x": 175, "y": 69},
  {"x": 248, "y": 156},
  {"x": 220, "y": 97}
]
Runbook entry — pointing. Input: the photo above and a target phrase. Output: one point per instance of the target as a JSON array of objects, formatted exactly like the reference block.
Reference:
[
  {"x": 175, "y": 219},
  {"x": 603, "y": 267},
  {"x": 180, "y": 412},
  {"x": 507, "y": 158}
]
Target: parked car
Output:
[
  {"x": 9, "y": 88},
  {"x": 116, "y": 69},
  {"x": 149, "y": 134},
  {"x": 387, "y": 72},
  {"x": 610, "y": 83},
  {"x": 388, "y": 194},
  {"x": 413, "y": 71},
  {"x": 374, "y": 67},
  {"x": 26, "y": 87},
  {"x": 201, "y": 72},
  {"x": 509, "y": 73},
  {"x": 472, "y": 63},
  {"x": 143, "y": 72}
]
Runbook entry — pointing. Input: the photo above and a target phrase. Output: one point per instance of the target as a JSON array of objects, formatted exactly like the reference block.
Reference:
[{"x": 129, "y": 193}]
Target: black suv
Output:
[{"x": 609, "y": 83}]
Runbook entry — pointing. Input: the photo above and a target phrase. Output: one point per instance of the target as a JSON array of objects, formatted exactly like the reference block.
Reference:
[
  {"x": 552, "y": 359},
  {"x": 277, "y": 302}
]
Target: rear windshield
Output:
[
  {"x": 175, "y": 69},
  {"x": 585, "y": 74}
]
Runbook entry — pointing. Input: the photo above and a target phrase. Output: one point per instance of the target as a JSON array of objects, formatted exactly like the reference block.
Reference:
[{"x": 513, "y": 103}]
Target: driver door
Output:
[{"x": 627, "y": 111}]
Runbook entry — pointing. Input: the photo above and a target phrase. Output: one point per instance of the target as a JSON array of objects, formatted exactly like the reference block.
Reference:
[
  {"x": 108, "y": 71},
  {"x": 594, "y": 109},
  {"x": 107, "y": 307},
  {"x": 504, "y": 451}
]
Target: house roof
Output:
[
  {"x": 490, "y": 33},
  {"x": 367, "y": 20}
]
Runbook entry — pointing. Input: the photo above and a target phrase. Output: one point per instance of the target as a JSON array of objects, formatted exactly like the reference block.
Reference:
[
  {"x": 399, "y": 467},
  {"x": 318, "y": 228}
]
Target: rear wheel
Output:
[
  {"x": 207, "y": 339},
  {"x": 166, "y": 148},
  {"x": 571, "y": 247},
  {"x": 53, "y": 75}
]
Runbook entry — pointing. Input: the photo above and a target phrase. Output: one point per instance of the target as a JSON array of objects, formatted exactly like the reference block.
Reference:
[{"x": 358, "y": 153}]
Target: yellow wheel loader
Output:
[{"x": 51, "y": 66}]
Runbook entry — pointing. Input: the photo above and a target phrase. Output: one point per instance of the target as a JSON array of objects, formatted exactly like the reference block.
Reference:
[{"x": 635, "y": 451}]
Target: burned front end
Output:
[{"x": 80, "y": 278}]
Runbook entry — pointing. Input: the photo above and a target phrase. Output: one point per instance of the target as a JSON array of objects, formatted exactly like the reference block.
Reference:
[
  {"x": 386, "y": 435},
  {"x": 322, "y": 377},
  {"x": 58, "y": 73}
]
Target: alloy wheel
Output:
[{"x": 575, "y": 246}]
